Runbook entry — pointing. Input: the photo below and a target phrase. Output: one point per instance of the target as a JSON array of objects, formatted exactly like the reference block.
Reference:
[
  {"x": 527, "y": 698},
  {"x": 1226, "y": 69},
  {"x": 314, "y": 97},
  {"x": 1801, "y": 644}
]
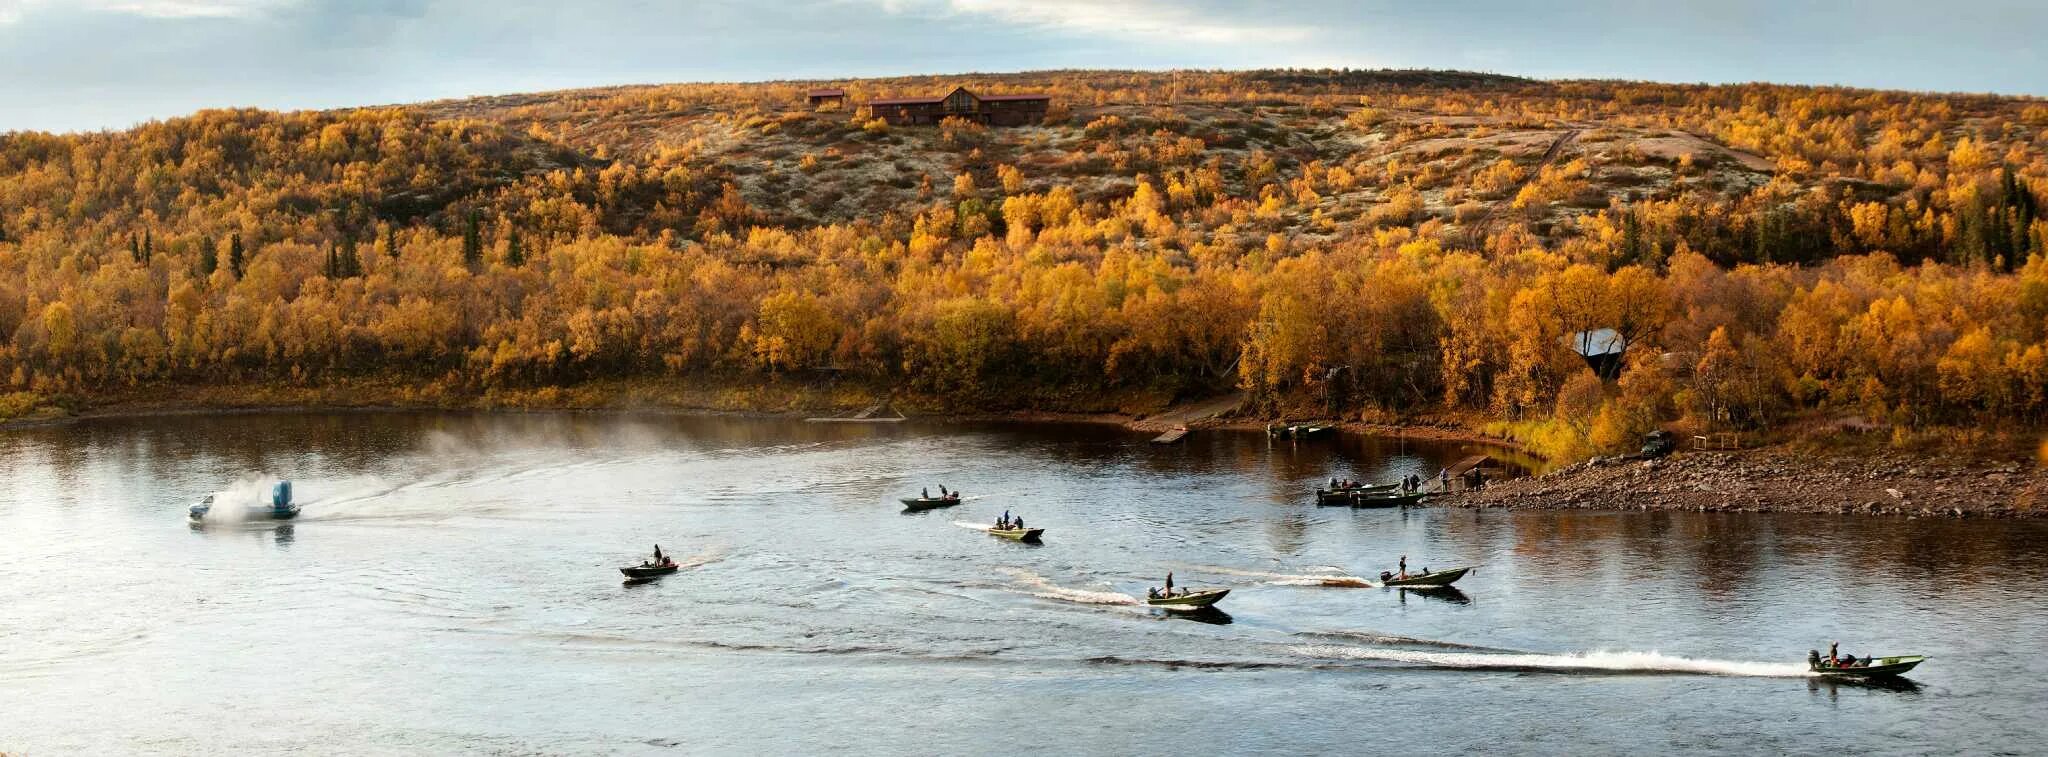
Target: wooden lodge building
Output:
[{"x": 994, "y": 110}]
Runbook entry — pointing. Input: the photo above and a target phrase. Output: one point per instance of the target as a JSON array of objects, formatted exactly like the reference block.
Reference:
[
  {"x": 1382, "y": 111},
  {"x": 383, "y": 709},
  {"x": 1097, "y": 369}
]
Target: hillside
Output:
[{"x": 1332, "y": 242}]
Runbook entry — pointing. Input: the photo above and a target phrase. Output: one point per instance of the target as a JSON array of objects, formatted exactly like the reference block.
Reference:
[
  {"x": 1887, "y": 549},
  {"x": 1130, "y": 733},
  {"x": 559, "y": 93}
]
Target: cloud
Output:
[
  {"x": 1162, "y": 20},
  {"x": 14, "y": 11}
]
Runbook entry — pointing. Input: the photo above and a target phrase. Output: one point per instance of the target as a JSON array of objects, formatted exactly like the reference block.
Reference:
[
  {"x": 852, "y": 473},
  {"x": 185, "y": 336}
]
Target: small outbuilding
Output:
[{"x": 830, "y": 97}]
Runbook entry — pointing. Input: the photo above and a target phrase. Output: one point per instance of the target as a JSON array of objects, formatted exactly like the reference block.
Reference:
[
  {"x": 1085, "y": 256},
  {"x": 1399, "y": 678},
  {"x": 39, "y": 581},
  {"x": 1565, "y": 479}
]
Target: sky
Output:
[{"x": 73, "y": 65}]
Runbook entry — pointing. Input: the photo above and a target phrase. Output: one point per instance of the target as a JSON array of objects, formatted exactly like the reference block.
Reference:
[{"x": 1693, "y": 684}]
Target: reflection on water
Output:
[{"x": 469, "y": 561}]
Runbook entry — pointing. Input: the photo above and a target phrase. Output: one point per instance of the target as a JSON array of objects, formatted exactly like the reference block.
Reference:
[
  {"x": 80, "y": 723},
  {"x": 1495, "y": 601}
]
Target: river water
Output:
[{"x": 451, "y": 587}]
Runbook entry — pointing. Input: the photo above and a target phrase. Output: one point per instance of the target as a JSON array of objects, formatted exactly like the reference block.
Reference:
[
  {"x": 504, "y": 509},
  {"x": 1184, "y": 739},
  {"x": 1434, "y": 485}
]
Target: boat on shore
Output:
[
  {"x": 1018, "y": 534},
  {"x": 1298, "y": 430},
  {"x": 1189, "y": 600},
  {"x": 1345, "y": 495},
  {"x": 1875, "y": 667},
  {"x": 929, "y": 503},
  {"x": 1425, "y": 580},
  {"x": 1387, "y": 500}
]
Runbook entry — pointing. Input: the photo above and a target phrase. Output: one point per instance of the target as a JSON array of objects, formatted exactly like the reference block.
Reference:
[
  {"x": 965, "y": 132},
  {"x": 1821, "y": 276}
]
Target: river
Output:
[{"x": 451, "y": 587}]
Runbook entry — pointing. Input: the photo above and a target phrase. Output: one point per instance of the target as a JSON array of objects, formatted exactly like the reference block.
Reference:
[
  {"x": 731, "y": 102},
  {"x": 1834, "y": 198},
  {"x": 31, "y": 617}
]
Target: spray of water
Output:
[
  {"x": 1586, "y": 662},
  {"x": 1038, "y": 586},
  {"x": 1338, "y": 580},
  {"x": 230, "y": 504}
]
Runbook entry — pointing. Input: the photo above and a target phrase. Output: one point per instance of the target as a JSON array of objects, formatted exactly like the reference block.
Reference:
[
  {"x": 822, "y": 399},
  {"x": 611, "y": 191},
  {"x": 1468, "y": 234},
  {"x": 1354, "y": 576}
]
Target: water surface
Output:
[{"x": 451, "y": 587}]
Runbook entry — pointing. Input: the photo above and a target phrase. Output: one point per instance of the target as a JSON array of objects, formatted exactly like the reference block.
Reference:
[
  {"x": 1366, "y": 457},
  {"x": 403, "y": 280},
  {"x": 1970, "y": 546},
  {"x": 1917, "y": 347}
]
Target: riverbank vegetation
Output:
[{"x": 1333, "y": 243}]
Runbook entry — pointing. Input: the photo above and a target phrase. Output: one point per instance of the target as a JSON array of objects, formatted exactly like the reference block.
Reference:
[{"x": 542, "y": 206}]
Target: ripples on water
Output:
[{"x": 452, "y": 586}]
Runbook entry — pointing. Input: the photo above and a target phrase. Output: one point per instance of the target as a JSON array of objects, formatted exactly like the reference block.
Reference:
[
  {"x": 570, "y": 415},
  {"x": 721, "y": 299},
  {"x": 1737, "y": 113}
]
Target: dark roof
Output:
[
  {"x": 907, "y": 101},
  {"x": 1015, "y": 97},
  {"x": 828, "y": 93}
]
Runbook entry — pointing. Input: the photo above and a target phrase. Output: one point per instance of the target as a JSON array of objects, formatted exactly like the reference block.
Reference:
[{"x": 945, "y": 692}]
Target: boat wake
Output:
[
  {"x": 1038, "y": 586},
  {"x": 710, "y": 555},
  {"x": 1393, "y": 640},
  {"x": 971, "y": 526},
  {"x": 1587, "y": 662},
  {"x": 1338, "y": 580}
]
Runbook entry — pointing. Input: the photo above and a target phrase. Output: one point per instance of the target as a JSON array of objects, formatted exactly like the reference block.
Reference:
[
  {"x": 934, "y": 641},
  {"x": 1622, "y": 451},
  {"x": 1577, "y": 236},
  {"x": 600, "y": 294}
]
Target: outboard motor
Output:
[{"x": 281, "y": 495}]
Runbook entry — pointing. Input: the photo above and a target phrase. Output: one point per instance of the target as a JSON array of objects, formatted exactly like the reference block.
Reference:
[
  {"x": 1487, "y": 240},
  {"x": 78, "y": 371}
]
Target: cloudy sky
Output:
[{"x": 94, "y": 64}]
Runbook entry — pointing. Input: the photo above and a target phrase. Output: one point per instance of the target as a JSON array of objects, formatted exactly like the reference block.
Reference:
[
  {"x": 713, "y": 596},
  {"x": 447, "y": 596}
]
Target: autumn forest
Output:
[{"x": 1332, "y": 243}]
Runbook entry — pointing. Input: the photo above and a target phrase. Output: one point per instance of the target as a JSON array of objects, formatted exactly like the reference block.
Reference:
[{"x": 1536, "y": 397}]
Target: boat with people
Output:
[
  {"x": 1427, "y": 579},
  {"x": 1187, "y": 599},
  {"x": 655, "y": 567},
  {"x": 281, "y": 506},
  {"x": 925, "y": 501},
  {"x": 1849, "y": 666},
  {"x": 1018, "y": 534},
  {"x": 1012, "y": 528},
  {"x": 1170, "y": 598},
  {"x": 1342, "y": 492}
]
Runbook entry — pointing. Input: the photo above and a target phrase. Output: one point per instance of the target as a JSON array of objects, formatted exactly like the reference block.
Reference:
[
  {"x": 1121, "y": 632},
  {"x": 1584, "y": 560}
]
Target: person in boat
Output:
[
  {"x": 1848, "y": 661},
  {"x": 925, "y": 493},
  {"x": 1404, "y": 566},
  {"x": 1018, "y": 523},
  {"x": 1333, "y": 482},
  {"x": 1169, "y": 583}
]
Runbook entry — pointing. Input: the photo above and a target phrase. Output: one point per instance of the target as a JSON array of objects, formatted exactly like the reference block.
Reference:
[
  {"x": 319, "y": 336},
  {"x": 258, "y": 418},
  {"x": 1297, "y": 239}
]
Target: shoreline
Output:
[
  {"x": 1780, "y": 477},
  {"x": 1783, "y": 478}
]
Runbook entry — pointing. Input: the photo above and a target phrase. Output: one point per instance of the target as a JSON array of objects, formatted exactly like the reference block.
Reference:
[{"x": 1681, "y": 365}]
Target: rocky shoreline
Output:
[{"x": 1780, "y": 479}]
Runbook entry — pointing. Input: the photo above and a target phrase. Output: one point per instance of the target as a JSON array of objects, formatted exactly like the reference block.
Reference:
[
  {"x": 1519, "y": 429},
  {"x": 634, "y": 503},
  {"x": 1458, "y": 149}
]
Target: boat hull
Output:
[
  {"x": 635, "y": 571},
  {"x": 929, "y": 503},
  {"x": 1191, "y": 601},
  {"x": 253, "y": 513},
  {"x": 1881, "y": 667},
  {"x": 1017, "y": 534},
  {"x": 1436, "y": 580},
  {"x": 1393, "y": 500}
]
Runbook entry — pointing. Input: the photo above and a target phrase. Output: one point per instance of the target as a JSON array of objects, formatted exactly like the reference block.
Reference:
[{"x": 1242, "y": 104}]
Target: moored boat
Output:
[
  {"x": 1875, "y": 667},
  {"x": 1344, "y": 494},
  {"x": 928, "y": 503},
  {"x": 1426, "y": 579},
  {"x": 1387, "y": 500},
  {"x": 1017, "y": 534},
  {"x": 1190, "y": 600}
]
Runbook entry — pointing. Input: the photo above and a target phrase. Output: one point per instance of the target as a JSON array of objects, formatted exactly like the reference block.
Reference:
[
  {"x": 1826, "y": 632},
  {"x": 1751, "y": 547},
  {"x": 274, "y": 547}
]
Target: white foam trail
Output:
[
  {"x": 710, "y": 555},
  {"x": 971, "y": 526},
  {"x": 1602, "y": 661},
  {"x": 1289, "y": 579},
  {"x": 1040, "y": 587}
]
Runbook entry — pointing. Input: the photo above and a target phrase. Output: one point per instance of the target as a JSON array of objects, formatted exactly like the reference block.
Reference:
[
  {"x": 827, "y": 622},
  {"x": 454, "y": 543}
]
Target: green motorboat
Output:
[
  {"x": 1018, "y": 534},
  {"x": 1875, "y": 667},
  {"x": 928, "y": 503},
  {"x": 1424, "y": 580},
  {"x": 1189, "y": 600}
]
